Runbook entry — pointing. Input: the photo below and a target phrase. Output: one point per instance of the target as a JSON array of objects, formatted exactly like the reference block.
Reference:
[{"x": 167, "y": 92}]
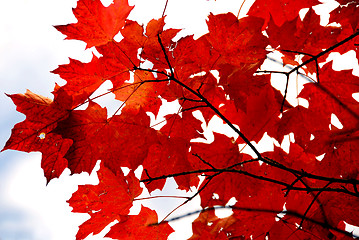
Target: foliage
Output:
[{"x": 280, "y": 194}]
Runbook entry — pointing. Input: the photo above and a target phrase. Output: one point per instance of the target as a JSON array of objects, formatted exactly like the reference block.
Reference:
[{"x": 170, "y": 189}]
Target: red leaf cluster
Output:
[{"x": 307, "y": 192}]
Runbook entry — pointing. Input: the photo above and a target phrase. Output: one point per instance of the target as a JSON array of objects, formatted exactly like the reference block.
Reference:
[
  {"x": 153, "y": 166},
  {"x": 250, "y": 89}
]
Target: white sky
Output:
[{"x": 29, "y": 49}]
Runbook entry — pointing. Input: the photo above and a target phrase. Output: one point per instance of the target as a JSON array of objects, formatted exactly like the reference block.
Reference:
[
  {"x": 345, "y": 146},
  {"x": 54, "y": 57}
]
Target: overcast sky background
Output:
[{"x": 29, "y": 49}]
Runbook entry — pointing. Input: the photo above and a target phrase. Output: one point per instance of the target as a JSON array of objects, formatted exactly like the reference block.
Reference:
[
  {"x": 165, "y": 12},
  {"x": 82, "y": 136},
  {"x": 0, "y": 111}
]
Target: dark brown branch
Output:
[
  {"x": 189, "y": 99},
  {"x": 297, "y": 52},
  {"x": 262, "y": 178},
  {"x": 292, "y": 184},
  {"x": 166, "y": 56},
  {"x": 164, "y": 10},
  {"x": 192, "y": 108},
  {"x": 285, "y": 93},
  {"x": 200, "y": 96},
  {"x": 151, "y": 70},
  {"x": 244, "y": 162},
  {"x": 311, "y": 204},
  {"x": 269, "y": 71},
  {"x": 307, "y": 54},
  {"x": 291, "y": 213},
  {"x": 308, "y": 175},
  {"x": 147, "y": 198},
  {"x": 324, "y": 52},
  {"x": 202, "y": 160},
  {"x": 193, "y": 196},
  {"x": 269, "y": 161}
]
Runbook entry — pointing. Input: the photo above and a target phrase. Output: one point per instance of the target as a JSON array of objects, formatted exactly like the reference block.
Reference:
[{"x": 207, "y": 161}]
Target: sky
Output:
[{"x": 30, "y": 48}]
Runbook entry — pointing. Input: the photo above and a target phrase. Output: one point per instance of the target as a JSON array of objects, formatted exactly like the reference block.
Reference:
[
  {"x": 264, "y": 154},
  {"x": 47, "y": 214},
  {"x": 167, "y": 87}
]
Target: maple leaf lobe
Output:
[{"x": 96, "y": 24}]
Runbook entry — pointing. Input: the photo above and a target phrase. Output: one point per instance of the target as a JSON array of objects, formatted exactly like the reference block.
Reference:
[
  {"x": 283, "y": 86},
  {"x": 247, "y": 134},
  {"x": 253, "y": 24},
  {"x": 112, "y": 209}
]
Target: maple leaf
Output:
[
  {"x": 34, "y": 135},
  {"x": 157, "y": 40},
  {"x": 306, "y": 36},
  {"x": 260, "y": 115},
  {"x": 240, "y": 84},
  {"x": 110, "y": 200},
  {"x": 209, "y": 226},
  {"x": 302, "y": 122},
  {"x": 338, "y": 208},
  {"x": 253, "y": 196},
  {"x": 333, "y": 94},
  {"x": 139, "y": 227},
  {"x": 225, "y": 153},
  {"x": 237, "y": 40},
  {"x": 286, "y": 228},
  {"x": 186, "y": 127},
  {"x": 83, "y": 79},
  {"x": 327, "y": 209},
  {"x": 346, "y": 13},
  {"x": 193, "y": 56},
  {"x": 340, "y": 154},
  {"x": 127, "y": 136},
  {"x": 170, "y": 154},
  {"x": 97, "y": 25},
  {"x": 143, "y": 93},
  {"x": 280, "y": 10}
]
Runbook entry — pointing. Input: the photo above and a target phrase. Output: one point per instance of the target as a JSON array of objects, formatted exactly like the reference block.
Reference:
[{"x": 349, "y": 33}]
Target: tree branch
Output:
[{"x": 291, "y": 213}]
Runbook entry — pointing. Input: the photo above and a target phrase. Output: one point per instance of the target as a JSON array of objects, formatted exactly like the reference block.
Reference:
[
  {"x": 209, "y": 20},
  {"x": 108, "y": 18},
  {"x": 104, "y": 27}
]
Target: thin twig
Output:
[
  {"x": 200, "y": 96},
  {"x": 193, "y": 196},
  {"x": 204, "y": 161},
  {"x": 192, "y": 108},
  {"x": 291, "y": 213},
  {"x": 324, "y": 52},
  {"x": 285, "y": 93},
  {"x": 164, "y": 10},
  {"x": 147, "y": 198},
  {"x": 240, "y": 8},
  {"x": 311, "y": 204}
]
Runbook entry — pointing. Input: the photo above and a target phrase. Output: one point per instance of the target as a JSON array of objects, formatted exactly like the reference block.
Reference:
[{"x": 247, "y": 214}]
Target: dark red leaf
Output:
[{"x": 280, "y": 10}]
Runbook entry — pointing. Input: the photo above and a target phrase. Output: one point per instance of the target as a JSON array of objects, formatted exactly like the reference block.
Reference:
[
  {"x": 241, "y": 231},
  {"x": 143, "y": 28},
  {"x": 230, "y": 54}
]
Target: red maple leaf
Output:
[
  {"x": 34, "y": 135},
  {"x": 169, "y": 155},
  {"x": 209, "y": 226},
  {"x": 127, "y": 136},
  {"x": 347, "y": 16},
  {"x": 302, "y": 122},
  {"x": 346, "y": 13},
  {"x": 157, "y": 41},
  {"x": 333, "y": 94},
  {"x": 143, "y": 93},
  {"x": 97, "y": 24},
  {"x": 110, "y": 200},
  {"x": 193, "y": 56},
  {"x": 280, "y": 10},
  {"x": 237, "y": 41},
  {"x": 140, "y": 227},
  {"x": 305, "y": 36},
  {"x": 84, "y": 78}
]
